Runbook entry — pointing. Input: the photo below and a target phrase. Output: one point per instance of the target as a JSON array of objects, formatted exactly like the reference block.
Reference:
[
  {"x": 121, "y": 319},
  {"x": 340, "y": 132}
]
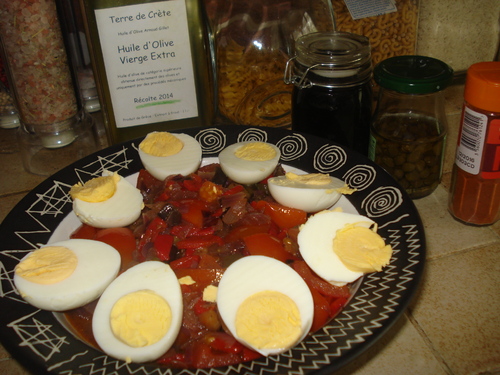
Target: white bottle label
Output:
[
  {"x": 471, "y": 141},
  {"x": 148, "y": 62}
]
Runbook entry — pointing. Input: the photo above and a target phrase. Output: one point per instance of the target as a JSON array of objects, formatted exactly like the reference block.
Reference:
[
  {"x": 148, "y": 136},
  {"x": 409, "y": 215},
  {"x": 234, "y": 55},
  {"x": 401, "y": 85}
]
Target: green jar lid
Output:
[{"x": 413, "y": 74}]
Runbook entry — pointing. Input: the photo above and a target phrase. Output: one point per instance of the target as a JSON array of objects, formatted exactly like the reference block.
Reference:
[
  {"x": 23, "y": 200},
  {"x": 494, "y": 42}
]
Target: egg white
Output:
[
  {"x": 246, "y": 171},
  {"x": 151, "y": 275},
  {"x": 120, "y": 210},
  {"x": 315, "y": 242},
  {"x": 186, "y": 161},
  {"x": 257, "y": 273},
  {"x": 306, "y": 197},
  {"x": 98, "y": 264}
]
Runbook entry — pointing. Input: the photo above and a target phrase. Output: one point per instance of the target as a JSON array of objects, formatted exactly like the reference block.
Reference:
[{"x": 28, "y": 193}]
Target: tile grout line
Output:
[
  {"x": 465, "y": 251},
  {"x": 7, "y": 195},
  {"x": 428, "y": 342}
]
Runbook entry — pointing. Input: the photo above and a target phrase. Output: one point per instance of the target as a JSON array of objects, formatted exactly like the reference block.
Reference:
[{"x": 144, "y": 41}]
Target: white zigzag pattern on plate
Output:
[
  {"x": 115, "y": 162},
  {"x": 52, "y": 203},
  {"x": 38, "y": 336},
  {"x": 413, "y": 253},
  {"x": 9, "y": 292},
  {"x": 69, "y": 360}
]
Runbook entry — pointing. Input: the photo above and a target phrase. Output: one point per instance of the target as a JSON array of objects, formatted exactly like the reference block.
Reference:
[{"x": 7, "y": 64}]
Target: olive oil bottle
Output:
[{"x": 151, "y": 62}]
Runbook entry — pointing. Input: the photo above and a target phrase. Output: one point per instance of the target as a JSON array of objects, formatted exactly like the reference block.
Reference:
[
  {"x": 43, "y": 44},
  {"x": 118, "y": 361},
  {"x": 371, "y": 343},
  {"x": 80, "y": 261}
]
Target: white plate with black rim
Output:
[{"x": 41, "y": 342}]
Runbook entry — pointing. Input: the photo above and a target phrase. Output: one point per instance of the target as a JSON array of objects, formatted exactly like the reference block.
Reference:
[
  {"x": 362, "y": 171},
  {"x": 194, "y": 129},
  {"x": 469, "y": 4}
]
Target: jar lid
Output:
[
  {"x": 482, "y": 86},
  {"x": 413, "y": 74},
  {"x": 341, "y": 57}
]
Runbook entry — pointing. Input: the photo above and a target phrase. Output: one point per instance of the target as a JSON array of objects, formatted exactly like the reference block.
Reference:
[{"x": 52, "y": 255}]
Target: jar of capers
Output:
[{"x": 408, "y": 131}]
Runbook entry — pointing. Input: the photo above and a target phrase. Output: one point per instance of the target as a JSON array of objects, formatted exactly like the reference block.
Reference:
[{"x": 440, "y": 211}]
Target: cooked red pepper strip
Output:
[
  {"x": 155, "y": 227},
  {"x": 197, "y": 242},
  {"x": 202, "y": 306},
  {"x": 174, "y": 358},
  {"x": 163, "y": 244},
  {"x": 202, "y": 232},
  {"x": 193, "y": 183},
  {"x": 233, "y": 190},
  {"x": 164, "y": 196},
  {"x": 189, "y": 261},
  {"x": 225, "y": 343}
]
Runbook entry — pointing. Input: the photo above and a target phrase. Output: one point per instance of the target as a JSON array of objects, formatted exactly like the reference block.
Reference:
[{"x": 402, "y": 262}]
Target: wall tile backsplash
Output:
[{"x": 459, "y": 33}]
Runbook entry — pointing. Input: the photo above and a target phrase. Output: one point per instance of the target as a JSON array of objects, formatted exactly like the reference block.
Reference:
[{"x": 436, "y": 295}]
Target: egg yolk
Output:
[
  {"x": 48, "y": 265},
  {"x": 161, "y": 144},
  {"x": 255, "y": 151},
  {"x": 361, "y": 249},
  {"x": 309, "y": 179},
  {"x": 268, "y": 320},
  {"x": 140, "y": 318},
  {"x": 96, "y": 190}
]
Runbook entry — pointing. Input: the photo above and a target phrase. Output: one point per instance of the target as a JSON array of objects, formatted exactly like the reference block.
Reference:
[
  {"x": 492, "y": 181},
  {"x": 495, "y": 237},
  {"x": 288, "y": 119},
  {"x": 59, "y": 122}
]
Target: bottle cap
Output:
[
  {"x": 413, "y": 74},
  {"x": 482, "y": 87}
]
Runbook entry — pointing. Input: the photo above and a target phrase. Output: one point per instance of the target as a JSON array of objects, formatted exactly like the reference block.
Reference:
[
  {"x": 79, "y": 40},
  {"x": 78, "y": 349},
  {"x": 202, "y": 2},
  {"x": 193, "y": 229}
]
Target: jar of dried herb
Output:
[
  {"x": 408, "y": 131},
  {"x": 43, "y": 86}
]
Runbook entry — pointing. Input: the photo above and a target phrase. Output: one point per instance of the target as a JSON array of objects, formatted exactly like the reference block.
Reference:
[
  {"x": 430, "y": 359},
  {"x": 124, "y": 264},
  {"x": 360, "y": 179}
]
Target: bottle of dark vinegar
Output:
[{"x": 151, "y": 62}]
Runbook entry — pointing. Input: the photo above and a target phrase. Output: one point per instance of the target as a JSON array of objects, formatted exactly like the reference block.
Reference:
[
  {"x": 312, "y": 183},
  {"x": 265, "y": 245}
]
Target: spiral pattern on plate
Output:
[
  {"x": 211, "y": 140},
  {"x": 360, "y": 177},
  {"x": 382, "y": 201},
  {"x": 292, "y": 147},
  {"x": 329, "y": 158},
  {"x": 252, "y": 135}
]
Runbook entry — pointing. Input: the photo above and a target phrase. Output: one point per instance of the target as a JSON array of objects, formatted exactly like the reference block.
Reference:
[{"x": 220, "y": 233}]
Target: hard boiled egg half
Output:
[
  {"x": 67, "y": 274},
  {"x": 139, "y": 315},
  {"x": 108, "y": 201},
  {"x": 308, "y": 192},
  {"x": 249, "y": 162},
  {"x": 340, "y": 247},
  {"x": 164, "y": 154},
  {"x": 265, "y": 304}
]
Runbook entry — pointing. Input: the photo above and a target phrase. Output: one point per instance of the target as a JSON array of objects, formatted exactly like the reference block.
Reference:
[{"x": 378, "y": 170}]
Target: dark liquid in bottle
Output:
[{"x": 341, "y": 115}]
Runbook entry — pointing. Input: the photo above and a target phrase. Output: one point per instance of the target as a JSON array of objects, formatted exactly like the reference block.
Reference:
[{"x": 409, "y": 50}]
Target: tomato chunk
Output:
[
  {"x": 122, "y": 239},
  {"x": 284, "y": 217},
  {"x": 196, "y": 242},
  {"x": 210, "y": 192},
  {"x": 317, "y": 283},
  {"x": 322, "y": 311},
  {"x": 243, "y": 231},
  {"x": 265, "y": 244},
  {"x": 194, "y": 214},
  {"x": 85, "y": 232}
]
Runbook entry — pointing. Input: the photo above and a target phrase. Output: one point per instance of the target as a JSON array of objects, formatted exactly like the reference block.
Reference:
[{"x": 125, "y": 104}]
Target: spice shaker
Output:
[
  {"x": 332, "y": 93},
  {"x": 475, "y": 187},
  {"x": 54, "y": 129},
  {"x": 408, "y": 130}
]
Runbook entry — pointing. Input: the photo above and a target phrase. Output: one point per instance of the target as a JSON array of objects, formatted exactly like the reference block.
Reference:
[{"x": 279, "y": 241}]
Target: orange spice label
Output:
[{"x": 491, "y": 154}]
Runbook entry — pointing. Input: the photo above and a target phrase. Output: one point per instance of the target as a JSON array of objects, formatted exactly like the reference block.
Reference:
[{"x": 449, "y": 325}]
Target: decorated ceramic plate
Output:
[{"x": 40, "y": 340}]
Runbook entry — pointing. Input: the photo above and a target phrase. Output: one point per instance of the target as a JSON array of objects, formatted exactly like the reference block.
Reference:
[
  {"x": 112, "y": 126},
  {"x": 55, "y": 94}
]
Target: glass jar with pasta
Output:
[{"x": 253, "y": 40}]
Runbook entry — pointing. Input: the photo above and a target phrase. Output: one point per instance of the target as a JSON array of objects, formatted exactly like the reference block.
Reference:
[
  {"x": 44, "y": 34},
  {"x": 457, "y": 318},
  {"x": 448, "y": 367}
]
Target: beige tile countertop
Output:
[{"x": 451, "y": 327}]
